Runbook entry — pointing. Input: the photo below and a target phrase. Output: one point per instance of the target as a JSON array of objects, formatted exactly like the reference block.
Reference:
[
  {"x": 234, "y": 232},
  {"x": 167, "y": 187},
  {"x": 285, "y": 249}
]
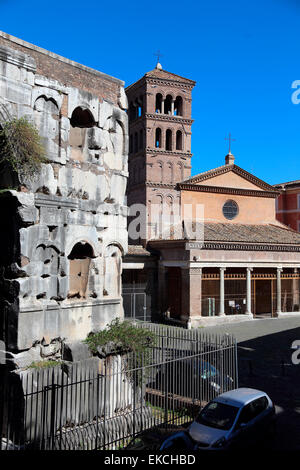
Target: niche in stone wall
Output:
[
  {"x": 112, "y": 271},
  {"x": 81, "y": 120},
  {"x": 80, "y": 260},
  {"x": 117, "y": 135},
  {"x": 46, "y": 117}
]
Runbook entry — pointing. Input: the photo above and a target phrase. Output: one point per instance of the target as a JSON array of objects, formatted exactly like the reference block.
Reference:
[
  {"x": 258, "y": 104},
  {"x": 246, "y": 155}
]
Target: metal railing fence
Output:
[{"x": 103, "y": 403}]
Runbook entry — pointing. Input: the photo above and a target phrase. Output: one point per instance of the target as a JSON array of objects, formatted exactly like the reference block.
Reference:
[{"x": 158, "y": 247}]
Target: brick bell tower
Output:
[{"x": 159, "y": 110}]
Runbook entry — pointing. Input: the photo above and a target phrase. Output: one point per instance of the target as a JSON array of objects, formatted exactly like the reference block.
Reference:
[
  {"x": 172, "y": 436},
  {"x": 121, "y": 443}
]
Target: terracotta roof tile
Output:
[{"x": 250, "y": 233}]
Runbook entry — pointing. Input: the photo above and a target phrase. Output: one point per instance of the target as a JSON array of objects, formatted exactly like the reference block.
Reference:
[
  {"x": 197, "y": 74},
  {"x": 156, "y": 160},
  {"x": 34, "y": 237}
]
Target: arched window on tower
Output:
[
  {"x": 140, "y": 106},
  {"x": 158, "y": 103},
  {"x": 178, "y": 106},
  {"x": 158, "y": 138},
  {"x": 168, "y": 139},
  {"x": 178, "y": 140},
  {"x": 168, "y": 104}
]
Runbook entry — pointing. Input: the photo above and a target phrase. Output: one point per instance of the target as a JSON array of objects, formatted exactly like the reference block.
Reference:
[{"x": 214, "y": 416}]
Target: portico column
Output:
[
  {"x": 191, "y": 299},
  {"x": 278, "y": 293},
  {"x": 295, "y": 290},
  {"x": 222, "y": 292},
  {"x": 248, "y": 301}
]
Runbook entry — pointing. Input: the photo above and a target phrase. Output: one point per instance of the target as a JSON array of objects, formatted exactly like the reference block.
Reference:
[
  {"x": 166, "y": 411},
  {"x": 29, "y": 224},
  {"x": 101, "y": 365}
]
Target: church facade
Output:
[{"x": 226, "y": 257}]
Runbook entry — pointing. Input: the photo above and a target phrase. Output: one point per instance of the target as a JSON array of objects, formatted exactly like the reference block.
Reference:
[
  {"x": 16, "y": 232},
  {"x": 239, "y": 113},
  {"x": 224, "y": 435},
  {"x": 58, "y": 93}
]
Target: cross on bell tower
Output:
[
  {"x": 229, "y": 159},
  {"x": 158, "y": 55}
]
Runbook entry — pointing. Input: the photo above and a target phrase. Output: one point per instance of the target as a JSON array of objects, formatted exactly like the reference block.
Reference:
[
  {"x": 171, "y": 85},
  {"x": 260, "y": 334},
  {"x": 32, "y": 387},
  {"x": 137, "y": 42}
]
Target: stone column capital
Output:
[{"x": 195, "y": 271}]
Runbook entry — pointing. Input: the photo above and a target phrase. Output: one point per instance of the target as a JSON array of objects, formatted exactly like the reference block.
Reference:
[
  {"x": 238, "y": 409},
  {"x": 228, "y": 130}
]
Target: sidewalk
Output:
[{"x": 264, "y": 357}]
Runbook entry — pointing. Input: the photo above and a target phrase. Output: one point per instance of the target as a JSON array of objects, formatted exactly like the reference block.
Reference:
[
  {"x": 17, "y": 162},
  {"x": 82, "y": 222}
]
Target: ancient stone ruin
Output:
[{"x": 63, "y": 232}]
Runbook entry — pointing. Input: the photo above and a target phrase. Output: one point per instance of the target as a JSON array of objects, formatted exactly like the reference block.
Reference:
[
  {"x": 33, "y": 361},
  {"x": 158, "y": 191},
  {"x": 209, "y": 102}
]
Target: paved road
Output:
[{"x": 264, "y": 355}]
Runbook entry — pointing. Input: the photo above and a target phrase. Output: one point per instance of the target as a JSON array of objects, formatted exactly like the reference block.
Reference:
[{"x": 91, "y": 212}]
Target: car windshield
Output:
[{"x": 218, "y": 415}]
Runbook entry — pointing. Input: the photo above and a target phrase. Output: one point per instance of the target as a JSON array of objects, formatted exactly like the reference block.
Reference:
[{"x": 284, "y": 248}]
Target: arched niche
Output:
[
  {"x": 79, "y": 267},
  {"x": 47, "y": 118},
  {"x": 112, "y": 271}
]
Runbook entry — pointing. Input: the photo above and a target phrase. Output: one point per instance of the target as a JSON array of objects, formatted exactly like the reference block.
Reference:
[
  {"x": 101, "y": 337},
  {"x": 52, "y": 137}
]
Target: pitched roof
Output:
[
  {"x": 270, "y": 234},
  {"x": 225, "y": 169},
  {"x": 288, "y": 183},
  {"x": 163, "y": 75}
]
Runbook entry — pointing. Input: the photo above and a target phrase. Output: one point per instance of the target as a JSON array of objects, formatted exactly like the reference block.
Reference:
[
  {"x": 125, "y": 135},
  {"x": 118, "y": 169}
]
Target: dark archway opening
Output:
[{"x": 82, "y": 118}]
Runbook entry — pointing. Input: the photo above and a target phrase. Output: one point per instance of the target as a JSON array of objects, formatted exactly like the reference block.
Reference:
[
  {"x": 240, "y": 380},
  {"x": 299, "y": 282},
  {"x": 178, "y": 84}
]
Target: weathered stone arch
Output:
[
  {"x": 117, "y": 130},
  {"x": 79, "y": 267},
  {"x": 113, "y": 269},
  {"x": 46, "y": 104},
  {"x": 81, "y": 239}
]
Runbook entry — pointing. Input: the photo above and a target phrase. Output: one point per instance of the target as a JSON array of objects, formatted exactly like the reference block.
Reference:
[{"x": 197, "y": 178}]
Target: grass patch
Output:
[{"x": 44, "y": 364}]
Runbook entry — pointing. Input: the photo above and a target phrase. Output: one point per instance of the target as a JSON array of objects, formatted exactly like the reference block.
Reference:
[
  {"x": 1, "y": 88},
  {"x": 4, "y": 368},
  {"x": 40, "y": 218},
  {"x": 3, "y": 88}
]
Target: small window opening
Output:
[
  {"x": 158, "y": 103},
  {"x": 178, "y": 106},
  {"x": 168, "y": 104},
  {"x": 178, "y": 140},
  {"x": 169, "y": 139},
  {"x": 158, "y": 138}
]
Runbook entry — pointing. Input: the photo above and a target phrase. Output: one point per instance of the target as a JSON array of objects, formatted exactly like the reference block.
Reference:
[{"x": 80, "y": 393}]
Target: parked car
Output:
[
  {"x": 192, "y": 378},
  {"x": 235, "y": 419},
  {"x": 181, "y": 441}
]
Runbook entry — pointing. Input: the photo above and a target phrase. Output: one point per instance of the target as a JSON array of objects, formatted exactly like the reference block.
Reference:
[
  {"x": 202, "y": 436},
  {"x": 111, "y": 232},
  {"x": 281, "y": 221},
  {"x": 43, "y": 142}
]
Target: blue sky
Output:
[{"x": 243, "y": 55}]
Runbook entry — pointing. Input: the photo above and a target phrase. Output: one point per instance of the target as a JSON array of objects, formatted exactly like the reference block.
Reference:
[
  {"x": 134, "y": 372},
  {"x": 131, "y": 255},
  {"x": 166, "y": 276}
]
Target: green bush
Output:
[
  {"x": 44, "y": 364},
  {"x": 21, "y": 147},
  {"x": 121, "y": 337}
]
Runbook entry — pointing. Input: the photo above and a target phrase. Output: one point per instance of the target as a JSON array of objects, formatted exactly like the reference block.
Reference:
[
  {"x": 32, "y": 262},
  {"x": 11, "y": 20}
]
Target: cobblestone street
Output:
[{"x": 264, "y": 357}]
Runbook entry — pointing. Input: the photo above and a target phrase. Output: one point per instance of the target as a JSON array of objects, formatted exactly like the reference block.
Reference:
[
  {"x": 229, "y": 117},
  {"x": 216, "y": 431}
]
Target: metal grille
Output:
[
  {"x": 135, "y": 304},
  {"x": 103, "y": 403}
]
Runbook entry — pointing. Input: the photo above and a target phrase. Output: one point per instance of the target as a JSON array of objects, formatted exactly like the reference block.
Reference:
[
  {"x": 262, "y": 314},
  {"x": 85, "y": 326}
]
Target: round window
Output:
[{"x": 230, "y": 210}]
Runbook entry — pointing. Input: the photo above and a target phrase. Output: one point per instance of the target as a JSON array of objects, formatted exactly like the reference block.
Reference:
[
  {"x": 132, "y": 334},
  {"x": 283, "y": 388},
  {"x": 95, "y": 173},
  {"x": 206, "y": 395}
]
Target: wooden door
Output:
[{"x": 263, "y": 296}]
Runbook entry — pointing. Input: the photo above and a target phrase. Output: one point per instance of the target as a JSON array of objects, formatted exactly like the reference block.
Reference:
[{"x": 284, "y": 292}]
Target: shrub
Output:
[
  {"x": 21, "y": 147},
  {"x": 121, "y": 337},
  {"x": 44, "y": 364}
]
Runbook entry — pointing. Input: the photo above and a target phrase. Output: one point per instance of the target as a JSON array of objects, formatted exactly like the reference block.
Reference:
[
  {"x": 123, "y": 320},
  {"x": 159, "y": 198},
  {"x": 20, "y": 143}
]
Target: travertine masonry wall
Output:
[{"x": 65, "y": 230}]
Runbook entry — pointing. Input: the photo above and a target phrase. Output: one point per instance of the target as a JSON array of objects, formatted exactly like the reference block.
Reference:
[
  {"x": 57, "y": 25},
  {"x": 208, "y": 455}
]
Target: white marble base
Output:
[{"x": 218, "y": 320}]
